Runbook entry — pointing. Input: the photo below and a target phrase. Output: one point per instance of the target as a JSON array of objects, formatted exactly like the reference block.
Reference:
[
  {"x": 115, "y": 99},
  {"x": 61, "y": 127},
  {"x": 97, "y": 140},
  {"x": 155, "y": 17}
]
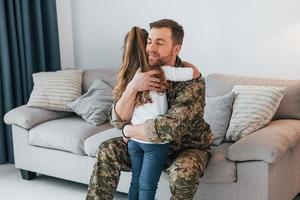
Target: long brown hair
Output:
[{"x": 135, "y": 57}]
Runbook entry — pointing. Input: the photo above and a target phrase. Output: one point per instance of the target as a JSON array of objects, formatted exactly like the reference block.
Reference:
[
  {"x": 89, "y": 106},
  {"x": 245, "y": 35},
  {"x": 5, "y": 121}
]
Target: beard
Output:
[
  {"x": 159, "y": 61},
  {"x": 156, "y": 63}
]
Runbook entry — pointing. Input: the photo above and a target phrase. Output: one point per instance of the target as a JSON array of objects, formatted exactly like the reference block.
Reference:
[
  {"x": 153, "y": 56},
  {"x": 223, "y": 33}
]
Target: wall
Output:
[
  {"x": 257, "y": 37},
  {"x": 65, "y": 31}
]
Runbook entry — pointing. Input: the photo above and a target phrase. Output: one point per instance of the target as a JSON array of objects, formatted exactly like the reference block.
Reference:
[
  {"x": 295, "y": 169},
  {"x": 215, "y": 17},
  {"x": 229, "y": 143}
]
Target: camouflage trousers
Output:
[{"x": 112, "y": 158}]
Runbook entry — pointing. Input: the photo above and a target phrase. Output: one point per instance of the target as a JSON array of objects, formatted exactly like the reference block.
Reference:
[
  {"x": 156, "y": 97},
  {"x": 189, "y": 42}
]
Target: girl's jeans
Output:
[{"x": 147, "y": 163}]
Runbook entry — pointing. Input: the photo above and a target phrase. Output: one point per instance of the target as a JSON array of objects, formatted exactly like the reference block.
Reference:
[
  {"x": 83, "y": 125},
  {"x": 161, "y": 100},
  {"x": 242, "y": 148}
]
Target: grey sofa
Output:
[{"x": 262, "y": 166}]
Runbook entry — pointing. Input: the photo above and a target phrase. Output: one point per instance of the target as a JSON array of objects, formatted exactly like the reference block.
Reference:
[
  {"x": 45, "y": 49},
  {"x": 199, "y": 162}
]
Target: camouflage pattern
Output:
[
  {"x": 183, "y": 126},
  {"x": 184, "y": 173},
  {"x": 112, "y": 158}
]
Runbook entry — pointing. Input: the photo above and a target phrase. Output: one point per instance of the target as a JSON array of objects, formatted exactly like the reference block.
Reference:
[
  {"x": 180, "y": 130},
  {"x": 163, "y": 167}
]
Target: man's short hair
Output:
[{"x": 176, "y": 29}]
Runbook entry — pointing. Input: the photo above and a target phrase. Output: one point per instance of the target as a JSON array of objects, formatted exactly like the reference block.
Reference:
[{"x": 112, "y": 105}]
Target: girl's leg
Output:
[
  {"x": 136, "y": 156},
  {"x": 154, "y": 160}
]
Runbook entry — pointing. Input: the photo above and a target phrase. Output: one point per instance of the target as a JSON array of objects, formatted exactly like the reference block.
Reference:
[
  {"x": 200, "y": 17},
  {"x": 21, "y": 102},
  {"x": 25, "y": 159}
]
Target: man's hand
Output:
[
  {"x": 135, "y": 131},
  {"x": 196, "y": 72},
  {"x": 125, "y": 137},
  {"x": 145, "y": 81}
]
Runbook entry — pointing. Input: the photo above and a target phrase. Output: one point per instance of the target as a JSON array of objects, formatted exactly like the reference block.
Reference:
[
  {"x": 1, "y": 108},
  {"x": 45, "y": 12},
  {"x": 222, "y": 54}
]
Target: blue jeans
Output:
[{"x": 147, "y": 163}]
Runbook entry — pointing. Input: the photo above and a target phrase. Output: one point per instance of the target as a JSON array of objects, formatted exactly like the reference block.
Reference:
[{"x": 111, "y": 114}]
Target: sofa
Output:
[{"x": 264, "y": 165}]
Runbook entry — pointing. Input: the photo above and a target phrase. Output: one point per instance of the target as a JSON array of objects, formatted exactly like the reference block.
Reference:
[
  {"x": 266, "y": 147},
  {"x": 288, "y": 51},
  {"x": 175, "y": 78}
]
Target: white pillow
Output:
[
  {"x": 52, "y": 90},
  {"x": 253, "y": 108}
]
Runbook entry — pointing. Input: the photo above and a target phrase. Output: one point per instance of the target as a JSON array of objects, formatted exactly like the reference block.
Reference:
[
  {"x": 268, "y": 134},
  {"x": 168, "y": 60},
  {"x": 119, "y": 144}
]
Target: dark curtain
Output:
[{"x": 28, "y": 44}]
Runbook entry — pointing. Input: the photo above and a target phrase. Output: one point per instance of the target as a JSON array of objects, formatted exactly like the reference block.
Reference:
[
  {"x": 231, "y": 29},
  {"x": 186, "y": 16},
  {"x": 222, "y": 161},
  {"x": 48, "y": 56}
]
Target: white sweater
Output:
[{"x": 159, "y": 104}]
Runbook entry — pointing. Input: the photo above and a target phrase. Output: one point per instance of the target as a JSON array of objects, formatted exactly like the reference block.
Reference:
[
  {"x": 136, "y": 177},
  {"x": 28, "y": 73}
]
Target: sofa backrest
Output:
[
  {"x": 108, "y": 75},
  {"x": 289, "y": 108}
]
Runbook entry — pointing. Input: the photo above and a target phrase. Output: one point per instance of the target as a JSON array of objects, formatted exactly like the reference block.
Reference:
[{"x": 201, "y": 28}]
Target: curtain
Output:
[{"x": 28, "y": 43}]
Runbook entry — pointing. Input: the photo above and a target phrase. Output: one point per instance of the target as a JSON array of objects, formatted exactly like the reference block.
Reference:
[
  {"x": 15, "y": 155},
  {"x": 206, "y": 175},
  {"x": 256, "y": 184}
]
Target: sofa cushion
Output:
[
  {"x": 217, "y": 114},
  {"x": 109, "y": 76},
  {"x": 220, "y": 84},
  {"x": 92, "y": 143},
  {"x": 28, "y": 117},
  {"x": 219, "y": 168},
  {"x": 94, "y": 105},
  {"x": 253, "y": 108},
  {"x": 66, "y": 134},
  {"x": 52, "y": 90},
  {"x": 267, "y": 144}
]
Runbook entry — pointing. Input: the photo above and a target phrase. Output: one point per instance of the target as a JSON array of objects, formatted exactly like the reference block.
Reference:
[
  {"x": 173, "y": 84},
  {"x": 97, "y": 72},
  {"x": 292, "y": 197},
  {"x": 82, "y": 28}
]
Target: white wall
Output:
[
  {"x": 65, "y": 32},
  {"x": 256, "y": 37}
]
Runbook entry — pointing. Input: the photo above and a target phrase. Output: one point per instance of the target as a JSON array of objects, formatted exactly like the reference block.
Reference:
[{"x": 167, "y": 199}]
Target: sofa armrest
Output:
[
  {"x": 268, "y": 143},
  {"x": 28, "y": 117}
]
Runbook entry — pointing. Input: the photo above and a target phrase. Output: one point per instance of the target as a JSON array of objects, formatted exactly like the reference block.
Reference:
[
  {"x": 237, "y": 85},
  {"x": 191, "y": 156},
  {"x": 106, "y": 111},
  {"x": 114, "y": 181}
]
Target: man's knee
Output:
[
  {"x": 185, "y": 172},
  {"x": 114, "y": 153},
  {"x": 109, "y": 148},
  {"x": 183, "y": 183}
]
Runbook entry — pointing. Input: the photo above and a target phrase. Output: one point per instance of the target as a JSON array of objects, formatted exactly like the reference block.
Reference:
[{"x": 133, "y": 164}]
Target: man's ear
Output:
[{"x": 177, "y": 49}]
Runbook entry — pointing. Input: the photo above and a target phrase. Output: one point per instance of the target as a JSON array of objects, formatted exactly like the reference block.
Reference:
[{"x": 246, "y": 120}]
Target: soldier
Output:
[{"x": 183, "y": 126}]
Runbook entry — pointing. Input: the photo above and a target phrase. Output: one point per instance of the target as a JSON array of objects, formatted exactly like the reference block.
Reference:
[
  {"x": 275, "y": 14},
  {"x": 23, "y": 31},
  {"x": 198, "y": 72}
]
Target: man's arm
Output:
[{"x": 187, "y": 104}]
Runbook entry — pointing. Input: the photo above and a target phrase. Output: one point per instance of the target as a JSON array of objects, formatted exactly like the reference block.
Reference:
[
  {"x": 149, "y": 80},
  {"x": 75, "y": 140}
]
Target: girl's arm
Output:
[
  {"x": 186, "y": 73},
  {"x": 178, "y": 73},
  {"x": 196, "y": 72}
]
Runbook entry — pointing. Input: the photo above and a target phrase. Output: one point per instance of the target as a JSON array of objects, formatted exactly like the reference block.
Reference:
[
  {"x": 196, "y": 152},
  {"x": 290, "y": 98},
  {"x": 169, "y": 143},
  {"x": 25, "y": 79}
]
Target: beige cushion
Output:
[
  {"x": 253, "y": 108},
  {"x": 220, "y": 84},
  {"x": 219, "y": 169},
  {"x": 267, "y": 144},
  {"x": 107, "y": 75},
  {"x": 28, "y": 117},
  {"x": 52, "y": 90},
  {"x": 92, "y": 143},
  {"x": 67, "y": 134}
]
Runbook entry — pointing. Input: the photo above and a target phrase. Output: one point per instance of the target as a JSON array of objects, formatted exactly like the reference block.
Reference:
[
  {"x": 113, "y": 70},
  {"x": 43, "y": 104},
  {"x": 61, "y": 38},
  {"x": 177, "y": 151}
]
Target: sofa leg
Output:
[{"x": 27, "y": 175}]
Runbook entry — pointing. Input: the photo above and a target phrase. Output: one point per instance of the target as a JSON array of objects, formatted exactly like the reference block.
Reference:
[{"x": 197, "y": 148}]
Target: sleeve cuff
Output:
[
  {"x": 115, "y": 120},
  {"x": 151, "y": 131}
]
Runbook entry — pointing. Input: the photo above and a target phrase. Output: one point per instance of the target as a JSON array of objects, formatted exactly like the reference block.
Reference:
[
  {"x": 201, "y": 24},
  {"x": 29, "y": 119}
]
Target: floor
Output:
[{"x": 13, "y": 187}]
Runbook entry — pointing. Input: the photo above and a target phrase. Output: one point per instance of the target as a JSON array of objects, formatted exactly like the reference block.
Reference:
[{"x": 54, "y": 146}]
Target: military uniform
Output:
[{"x": 183, "y": 126}]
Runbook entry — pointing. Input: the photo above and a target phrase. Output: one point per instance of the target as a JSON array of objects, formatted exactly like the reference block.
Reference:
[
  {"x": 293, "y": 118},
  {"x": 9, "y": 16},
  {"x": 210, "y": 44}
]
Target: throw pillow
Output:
[
  {"x": 94, "y": 105},
  {"x": 217, "y": 114},
  {"x": 52, "y": 90},
  {"x": 253, "y": 108}
]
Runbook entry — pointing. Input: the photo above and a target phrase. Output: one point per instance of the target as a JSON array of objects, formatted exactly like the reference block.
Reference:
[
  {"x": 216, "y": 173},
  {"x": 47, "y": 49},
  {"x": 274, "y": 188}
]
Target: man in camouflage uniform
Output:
[{"x": 182, "y": 126}]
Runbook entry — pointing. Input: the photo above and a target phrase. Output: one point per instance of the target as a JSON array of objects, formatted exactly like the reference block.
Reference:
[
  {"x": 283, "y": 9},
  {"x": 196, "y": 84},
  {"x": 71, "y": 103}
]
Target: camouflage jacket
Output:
[{"x": 183, "y": 124}]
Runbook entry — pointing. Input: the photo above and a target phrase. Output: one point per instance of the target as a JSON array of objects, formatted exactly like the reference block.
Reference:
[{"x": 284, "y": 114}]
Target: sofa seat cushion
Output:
[
  {"x": 66, "y": 134},
  {"x": 92, "y": 143},
  {"x": 219, "y": 169}
]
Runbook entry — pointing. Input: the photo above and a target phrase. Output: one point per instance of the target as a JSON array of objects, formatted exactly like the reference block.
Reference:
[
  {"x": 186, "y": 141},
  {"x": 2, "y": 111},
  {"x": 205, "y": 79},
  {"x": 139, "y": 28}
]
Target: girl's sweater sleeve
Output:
[{"x": 178, "y": 73}]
